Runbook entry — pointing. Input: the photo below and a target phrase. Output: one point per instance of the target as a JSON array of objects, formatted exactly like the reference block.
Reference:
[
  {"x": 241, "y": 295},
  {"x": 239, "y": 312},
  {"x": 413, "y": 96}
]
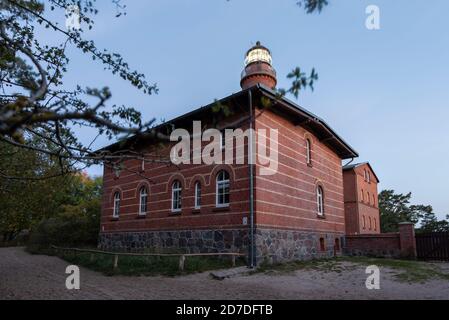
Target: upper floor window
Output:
[
  {"x": 320, "y": 200},
  {"x": 116, "y": 212},
  {"x": 362, "y": 196},
  {"x": 143, "y": 200},
  {"x": 368, "y": 176},
  {"x": 176, "y": 196},
  {"x": 222, "y": 190},
  {"x": 308, "y": 151},
  {"x": 370, "y": 223},
  {"x": 363, "y": 222},
  {"x": 368, "y": 198},
  {"x": 374, "y": 200},
  {"x": 197, "y": 195},
  {"x": 375, "y": 224}
]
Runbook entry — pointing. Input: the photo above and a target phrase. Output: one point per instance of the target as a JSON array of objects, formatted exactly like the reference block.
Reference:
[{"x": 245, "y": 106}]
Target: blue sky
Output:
[{"x": 384, "y": 91}]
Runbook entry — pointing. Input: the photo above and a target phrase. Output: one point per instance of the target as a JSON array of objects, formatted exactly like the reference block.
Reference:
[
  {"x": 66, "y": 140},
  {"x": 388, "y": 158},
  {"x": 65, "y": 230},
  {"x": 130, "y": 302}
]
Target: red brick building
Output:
[
  {"x": 298, "y": 212},
  {"x": 361, "y": 201}
]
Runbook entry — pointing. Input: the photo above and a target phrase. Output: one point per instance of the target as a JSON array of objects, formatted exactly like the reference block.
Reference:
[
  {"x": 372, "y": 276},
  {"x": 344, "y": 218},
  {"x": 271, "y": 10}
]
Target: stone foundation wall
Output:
[
  {"x": 273, "y": 245},
  {"x": 189, "y": 241}
]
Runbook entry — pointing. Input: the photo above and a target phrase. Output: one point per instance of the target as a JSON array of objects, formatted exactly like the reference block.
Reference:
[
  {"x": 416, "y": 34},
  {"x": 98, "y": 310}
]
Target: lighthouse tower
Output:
[{"x": 258, "y": 68}]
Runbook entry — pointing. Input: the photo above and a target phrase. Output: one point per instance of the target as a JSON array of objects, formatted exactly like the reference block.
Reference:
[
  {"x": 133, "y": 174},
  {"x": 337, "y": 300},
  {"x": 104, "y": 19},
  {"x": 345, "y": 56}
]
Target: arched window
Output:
[
  {"x": 116, "y": 212},
  {"x": 308, "y": 151},
  {"x": 370, "y": 223},
  {"x": 362, "y": 196},
  {"x": 374, "y": 200},
  {"x": 364, "y": 222},
  {"x": 222, "y": 190},
  {"x": 197, "y": 195},
  {"x": 375, "y": 224},
  {"x": 176, "y": 196},
  {"x": 368, "y": 198},
  {"x": 143, "y": 197},
  {"x": 320, "y": 200},
  {"x": 368, "y": 176}
]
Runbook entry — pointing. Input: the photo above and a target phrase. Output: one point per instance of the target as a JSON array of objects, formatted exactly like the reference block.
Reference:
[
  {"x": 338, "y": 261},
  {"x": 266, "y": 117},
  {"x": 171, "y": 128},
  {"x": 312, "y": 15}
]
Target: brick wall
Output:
[
  {"x": 396, "y": 245},
  {"x": 288, "y": 199},
  {"x": 158, "y": 178}
]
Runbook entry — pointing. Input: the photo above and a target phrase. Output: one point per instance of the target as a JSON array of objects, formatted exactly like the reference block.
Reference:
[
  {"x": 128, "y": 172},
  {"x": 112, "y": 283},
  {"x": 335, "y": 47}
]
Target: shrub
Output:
[{"x": 76, "y": 226}]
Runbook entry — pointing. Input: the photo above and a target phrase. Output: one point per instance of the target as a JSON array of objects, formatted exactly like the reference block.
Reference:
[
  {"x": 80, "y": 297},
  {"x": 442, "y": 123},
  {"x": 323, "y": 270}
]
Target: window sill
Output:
[
  {"x": 321, "y": 216},
  {"x": 221, "y": 209},
  {"x": 114, "y": 218},
  {"x": 141, "y": 216},
  {"x": 175, "y": 213},
  {"x": 196, "y": 210},
  {"x": 310, "y": 165}
]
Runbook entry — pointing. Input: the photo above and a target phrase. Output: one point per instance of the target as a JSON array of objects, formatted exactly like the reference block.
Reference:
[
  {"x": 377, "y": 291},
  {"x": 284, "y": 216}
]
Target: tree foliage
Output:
[
  {"x": 34, "y": 101},
  {"x": 34, "y": 190},
  {"x": 395, "y": 208}
]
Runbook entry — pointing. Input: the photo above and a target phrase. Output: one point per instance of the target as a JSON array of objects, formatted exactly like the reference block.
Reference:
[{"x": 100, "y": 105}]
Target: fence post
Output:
[
  {"x": 233, "y": 260},
  {"x": 182, "y": 259},
  {"x": 115, "y": 261},
  {"x": 407, "y": 240}
]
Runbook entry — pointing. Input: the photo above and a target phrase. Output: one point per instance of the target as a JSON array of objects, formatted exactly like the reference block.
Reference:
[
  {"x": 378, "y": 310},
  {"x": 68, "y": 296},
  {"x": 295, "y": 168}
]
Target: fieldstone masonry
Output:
[
  {"x": 189, "y": 241},
  {"x": 272, "y": 245}
]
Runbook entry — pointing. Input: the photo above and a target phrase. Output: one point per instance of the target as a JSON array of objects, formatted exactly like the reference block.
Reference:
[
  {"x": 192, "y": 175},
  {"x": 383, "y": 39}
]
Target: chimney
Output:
[{"x": 258, "y": 68}]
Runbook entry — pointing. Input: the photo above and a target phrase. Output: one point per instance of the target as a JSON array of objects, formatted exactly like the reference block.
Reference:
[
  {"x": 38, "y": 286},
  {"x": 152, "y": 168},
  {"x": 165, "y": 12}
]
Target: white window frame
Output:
[
  {"x": 178, "y": 191},
  {"x": 143, "y": 194},
  {"x": 116, "y": 210},
  {"x": 308, "y": 151},
  {"x": 197, "y": 195},
  {"x": 320, "y": 200},
  {"x": 220, "y": 185},
  {"x": 368, "y": 177}
]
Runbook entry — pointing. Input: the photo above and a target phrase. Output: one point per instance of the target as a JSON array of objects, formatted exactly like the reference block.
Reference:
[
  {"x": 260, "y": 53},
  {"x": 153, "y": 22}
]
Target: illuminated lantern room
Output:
[{"x": 258, "y": 69}]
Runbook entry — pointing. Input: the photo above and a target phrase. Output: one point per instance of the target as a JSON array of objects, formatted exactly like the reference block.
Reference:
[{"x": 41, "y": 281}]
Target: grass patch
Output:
[
  {"x": 324, "y": 265},
  {"x": 406, "y": 270},
  {"x": 141, "y": 266}
]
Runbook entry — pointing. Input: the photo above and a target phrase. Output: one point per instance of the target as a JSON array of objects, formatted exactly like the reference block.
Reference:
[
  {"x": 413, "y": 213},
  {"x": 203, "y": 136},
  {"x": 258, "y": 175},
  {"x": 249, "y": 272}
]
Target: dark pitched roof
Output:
[
  {"x": 298, "y": 114},
  {"x": 355, "y": 165}
]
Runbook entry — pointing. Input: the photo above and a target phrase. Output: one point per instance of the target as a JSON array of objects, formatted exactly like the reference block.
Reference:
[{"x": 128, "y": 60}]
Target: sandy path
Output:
[{"x": 25, "y": 276}]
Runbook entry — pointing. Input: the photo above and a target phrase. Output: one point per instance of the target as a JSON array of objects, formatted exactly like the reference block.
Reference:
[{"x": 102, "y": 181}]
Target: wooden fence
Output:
[
  {"x": 182, "y": 256},
  {"x": 432, "y": 246}
]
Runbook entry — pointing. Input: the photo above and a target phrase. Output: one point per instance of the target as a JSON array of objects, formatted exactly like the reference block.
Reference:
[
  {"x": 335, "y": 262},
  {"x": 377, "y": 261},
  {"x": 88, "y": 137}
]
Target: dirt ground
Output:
[{"x": 25, "y": 276}]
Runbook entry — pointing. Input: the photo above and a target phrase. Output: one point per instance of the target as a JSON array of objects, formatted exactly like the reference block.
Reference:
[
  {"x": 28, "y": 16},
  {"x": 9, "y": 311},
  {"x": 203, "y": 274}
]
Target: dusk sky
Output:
[{"x": 386, "y": 91}]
